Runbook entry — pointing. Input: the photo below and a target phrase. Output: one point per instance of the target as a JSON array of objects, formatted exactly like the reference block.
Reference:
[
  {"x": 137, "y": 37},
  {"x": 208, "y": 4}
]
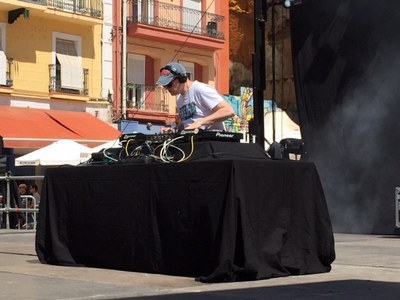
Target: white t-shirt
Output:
[{"x": 198, "y": 103}]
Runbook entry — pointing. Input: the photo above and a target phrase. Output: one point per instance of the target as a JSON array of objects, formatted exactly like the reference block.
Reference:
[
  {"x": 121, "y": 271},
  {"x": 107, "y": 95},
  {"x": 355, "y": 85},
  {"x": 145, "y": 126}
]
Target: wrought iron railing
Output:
[
  {"x": 93, "y": 8},
  {"x": 55, "y": 81},
  {"x": 144, "y": 97},
  {"x": 161, "y": 14},
  {"x": 41, "y": 2},
  {"x": 9, "y": 78}
]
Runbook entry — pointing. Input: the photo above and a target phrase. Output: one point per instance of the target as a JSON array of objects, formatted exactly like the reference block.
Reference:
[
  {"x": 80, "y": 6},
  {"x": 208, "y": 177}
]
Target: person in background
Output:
[
  {"x": 23, "y": 189},
  {"x": 34, "y": 191},
  {"x": 199, "y": 104},
  {"x": 23, "y": 202}
]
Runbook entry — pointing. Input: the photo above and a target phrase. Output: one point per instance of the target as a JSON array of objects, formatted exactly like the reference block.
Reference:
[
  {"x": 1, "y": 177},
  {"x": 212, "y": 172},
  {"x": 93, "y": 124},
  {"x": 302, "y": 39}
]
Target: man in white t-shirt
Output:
[{"x": 199, "y": 104}]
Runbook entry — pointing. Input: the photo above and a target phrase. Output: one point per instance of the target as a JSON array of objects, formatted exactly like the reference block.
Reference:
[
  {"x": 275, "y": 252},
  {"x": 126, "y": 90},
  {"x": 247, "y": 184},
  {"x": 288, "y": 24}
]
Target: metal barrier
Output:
[
  {"x": 397, "y": 206},
  {"x": 29, "y": 208}
]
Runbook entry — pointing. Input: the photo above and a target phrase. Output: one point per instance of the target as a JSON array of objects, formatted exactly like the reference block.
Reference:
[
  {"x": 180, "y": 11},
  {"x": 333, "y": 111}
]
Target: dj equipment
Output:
[
  {"x": 210, "y": 135},
  {"x": 165, "y": 147},
  {"x": 186, "y": 135},
  {"x": 169, "y": 147}
]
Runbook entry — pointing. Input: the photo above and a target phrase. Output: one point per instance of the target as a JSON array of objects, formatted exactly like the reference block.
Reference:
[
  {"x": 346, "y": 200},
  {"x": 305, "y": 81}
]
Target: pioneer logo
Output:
[{"x": 224, "y": 135}]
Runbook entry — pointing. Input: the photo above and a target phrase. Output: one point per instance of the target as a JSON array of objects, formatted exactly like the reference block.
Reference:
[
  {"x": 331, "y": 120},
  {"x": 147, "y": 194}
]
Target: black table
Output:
[{"x": 216, "y": 220}]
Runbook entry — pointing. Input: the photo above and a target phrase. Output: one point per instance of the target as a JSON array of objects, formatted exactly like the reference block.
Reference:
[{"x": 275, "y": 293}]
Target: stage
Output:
[{"x": 214, "y": 219}]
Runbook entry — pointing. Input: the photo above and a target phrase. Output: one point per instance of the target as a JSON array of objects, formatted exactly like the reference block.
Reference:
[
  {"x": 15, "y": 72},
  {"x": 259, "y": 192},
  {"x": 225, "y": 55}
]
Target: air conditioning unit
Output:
[{"x": 212, "y": 28}]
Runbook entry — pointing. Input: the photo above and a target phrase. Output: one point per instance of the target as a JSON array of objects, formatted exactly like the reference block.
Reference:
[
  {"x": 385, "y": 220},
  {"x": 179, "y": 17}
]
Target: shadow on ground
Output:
[{"x": 347, "y": 289}]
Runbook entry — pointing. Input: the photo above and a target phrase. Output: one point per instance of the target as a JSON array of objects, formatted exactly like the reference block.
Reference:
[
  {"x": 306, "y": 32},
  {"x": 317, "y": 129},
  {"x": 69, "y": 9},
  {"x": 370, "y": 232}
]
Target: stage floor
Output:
[{"x": 357, "y": 273}]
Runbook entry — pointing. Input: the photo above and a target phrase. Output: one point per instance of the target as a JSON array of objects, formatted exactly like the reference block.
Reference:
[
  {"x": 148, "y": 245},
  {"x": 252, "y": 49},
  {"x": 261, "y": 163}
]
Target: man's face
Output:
[
  {"x": 172, "y": 87},
  {"x": 22, "y": 189}
]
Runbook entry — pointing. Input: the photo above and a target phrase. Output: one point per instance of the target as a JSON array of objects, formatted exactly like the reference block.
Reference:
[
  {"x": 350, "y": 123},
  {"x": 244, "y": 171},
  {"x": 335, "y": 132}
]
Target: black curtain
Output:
[{"x": 346, "y": 56}]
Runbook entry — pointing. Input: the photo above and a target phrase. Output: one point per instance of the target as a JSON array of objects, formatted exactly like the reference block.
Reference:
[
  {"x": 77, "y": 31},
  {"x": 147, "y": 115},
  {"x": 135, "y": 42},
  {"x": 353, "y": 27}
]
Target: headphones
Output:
[{"x": 182, "y": 77}]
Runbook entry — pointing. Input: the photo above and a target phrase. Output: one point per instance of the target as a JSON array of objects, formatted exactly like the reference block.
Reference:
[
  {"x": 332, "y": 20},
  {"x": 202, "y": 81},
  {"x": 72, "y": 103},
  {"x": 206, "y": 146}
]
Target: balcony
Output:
[
  {"x": 8, "y": 76},
  {"x": 91, "y": 8},
  {"x": 146, "y": 98},
  {"x": 56, "y": 86},
  {"x": 84, "y": 7},
  {"x": 162, "y": 21},
  {"x": 9, "y": 79}
]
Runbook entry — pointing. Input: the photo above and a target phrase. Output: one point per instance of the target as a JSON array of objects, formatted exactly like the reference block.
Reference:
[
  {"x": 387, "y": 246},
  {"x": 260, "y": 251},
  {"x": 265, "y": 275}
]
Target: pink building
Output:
[{"x": 192, "y": 32}]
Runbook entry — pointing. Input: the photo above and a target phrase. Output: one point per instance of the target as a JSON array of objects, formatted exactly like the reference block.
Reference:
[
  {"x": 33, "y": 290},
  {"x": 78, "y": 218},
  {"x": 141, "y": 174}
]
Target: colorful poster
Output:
[{"x": 244, "y": 109}]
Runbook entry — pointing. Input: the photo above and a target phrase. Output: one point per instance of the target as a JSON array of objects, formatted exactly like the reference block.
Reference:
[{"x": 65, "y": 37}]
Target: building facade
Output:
[
  {"x": 103, "y": 57},
  {"x": 51, "y": 55},
  {"x": 192, "y": 32},
  {"x": 52, "y": 82}
]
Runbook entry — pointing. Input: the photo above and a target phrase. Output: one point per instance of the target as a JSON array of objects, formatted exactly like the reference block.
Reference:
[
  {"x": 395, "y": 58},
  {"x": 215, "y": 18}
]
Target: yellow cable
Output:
[{"x": 192, "y": 149}]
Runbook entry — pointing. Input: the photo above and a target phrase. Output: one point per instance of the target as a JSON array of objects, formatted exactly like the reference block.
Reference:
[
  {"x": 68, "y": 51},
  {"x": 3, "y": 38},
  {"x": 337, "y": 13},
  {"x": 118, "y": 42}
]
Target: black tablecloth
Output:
[{"x": 217, "y": 220}]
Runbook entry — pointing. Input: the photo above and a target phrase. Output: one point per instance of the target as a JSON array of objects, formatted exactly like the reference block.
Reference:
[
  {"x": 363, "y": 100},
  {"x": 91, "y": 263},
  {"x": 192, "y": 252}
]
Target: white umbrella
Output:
[
  {"x": 59, "y": 153},
  {"x": 110, "y": 144}
]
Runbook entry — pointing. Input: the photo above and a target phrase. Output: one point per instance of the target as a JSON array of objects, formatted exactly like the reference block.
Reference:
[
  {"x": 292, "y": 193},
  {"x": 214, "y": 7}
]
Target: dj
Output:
[{"x": 199, "y": 104}]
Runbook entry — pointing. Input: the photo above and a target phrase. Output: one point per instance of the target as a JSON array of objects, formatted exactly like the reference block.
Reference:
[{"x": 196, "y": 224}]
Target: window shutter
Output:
[
  {"x": 71, "y": 65},
  {"x": 3, "y": 68},
  {"x": 136, "y": 69}
]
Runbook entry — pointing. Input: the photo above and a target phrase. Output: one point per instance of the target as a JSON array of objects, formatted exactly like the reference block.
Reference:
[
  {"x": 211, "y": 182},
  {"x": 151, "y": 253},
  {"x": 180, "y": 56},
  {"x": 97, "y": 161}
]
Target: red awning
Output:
[{"x": 23, "y": 127}]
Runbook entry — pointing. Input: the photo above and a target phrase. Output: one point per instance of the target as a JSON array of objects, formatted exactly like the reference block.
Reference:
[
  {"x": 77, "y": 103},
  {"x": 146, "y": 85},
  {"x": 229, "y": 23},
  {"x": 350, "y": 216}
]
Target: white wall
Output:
[{"x": 107, "y": 49}]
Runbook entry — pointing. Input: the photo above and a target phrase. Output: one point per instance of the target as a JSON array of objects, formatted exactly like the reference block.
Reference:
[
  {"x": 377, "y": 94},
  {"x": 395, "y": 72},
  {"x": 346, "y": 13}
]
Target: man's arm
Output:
[{"x": 221, "y": 112}]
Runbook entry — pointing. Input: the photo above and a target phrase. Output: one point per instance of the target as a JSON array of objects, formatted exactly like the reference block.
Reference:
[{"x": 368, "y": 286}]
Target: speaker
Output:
[
  {"x": 275, "y": 151},
  {"x": 212, "y": 28},
  {"x": 292, "y": 146}
]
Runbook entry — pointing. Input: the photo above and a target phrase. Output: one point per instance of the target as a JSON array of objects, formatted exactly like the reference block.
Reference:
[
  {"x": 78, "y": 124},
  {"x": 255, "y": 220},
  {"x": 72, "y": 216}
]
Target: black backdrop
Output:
[{"x": 347, "y": 69}]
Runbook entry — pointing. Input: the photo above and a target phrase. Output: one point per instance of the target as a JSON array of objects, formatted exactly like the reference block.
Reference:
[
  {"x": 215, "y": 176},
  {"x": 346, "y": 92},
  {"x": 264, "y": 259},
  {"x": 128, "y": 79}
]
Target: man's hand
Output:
[
  {"x": 166, "y": 130},
  {"x": 197, "y": 124}
]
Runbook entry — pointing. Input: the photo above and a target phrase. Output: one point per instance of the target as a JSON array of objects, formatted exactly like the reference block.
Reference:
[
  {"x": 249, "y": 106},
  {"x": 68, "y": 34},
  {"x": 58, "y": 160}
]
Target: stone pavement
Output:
[{"x": 366, "y": 267}]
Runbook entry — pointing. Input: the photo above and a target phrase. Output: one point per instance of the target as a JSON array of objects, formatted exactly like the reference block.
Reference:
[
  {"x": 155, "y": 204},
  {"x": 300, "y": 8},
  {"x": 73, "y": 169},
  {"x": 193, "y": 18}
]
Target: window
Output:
[
  {"x": 189, "y": 66},
  {"x": 192, "y": 16},
  {"x": 83, "y": 5},
  {"x": 3, "y": 58},
  {"x": 136, "y": 72},
  {"x": 68, "y": 61},
  {"x": 143, "y": 11}
]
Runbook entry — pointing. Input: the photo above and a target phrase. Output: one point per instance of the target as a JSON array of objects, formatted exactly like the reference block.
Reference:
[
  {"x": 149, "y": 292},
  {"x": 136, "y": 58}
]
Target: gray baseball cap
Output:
[{"x": 170, "y": 72}]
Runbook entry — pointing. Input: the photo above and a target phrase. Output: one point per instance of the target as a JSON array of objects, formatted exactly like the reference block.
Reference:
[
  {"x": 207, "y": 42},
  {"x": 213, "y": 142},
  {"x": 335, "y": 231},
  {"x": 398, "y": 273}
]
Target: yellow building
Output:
[
  {"x": 52, "y": 50},
  {"x": 51, "y": 59}
]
